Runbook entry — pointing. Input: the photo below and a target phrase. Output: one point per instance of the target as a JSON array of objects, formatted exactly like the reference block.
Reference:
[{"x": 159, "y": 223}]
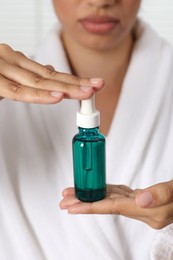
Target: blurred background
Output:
[{"x": 25, "y": 23}]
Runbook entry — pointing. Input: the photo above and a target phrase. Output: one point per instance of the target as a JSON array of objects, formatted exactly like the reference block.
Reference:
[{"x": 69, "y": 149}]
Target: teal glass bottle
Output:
[
  {"x": 89, "y": 165},
  {"x": 89, "y": 157}
]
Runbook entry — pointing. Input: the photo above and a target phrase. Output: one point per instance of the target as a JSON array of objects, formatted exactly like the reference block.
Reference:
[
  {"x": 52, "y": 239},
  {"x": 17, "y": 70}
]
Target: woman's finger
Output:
[
  {"x": 68, "y": 201},
  {"x": 113, "y": 190},
  {"x": 121, "y": 206},
  {"x": 17, "y": 92},
  {"x": 119, "y": 202},
  {"x": 16, "y": 67},
  {"x": 50, "y": 73},
  {"x": 30, "y": 79},
  {"x": 12, "y": 57},
  {"x": 117, "y": 206},
  {"x": 68, "y": 192},
  {"x": 156, "y": 195}
]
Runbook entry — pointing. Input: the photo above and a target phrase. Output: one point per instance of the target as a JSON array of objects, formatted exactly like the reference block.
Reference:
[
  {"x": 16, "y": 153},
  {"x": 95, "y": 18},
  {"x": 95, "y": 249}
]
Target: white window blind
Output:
[
  {"x": 24, "y": 23},
  {"x": 159, "y": 14}
]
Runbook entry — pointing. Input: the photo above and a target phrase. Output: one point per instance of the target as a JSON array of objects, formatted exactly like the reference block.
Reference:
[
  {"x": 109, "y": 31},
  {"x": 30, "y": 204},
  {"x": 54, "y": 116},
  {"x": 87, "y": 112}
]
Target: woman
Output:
[{"x": 98, "y": 39}]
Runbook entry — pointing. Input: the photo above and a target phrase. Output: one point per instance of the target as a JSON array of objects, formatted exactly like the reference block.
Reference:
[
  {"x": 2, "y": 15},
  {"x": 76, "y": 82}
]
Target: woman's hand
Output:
[
  {"x": 153, "y": 206},
  {"x": 22, "y": 79}
]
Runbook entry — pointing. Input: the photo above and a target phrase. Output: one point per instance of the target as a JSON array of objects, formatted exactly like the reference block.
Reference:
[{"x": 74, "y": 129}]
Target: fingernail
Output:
[
  {"x": 56, "y": 94},
  {"x": 145, "y": 199},
  {"x": 97, "y": 82},
  {"x": 85, "y": 88}
]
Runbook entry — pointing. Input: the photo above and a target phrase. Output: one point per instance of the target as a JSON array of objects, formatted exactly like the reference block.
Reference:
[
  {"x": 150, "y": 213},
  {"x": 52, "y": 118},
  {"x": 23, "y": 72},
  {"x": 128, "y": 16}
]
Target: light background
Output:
[{"x": 25, "y": 23}]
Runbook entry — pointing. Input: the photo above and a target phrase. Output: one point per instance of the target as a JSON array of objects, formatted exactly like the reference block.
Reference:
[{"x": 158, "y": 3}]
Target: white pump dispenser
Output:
[{"x": 88, "y": 117}]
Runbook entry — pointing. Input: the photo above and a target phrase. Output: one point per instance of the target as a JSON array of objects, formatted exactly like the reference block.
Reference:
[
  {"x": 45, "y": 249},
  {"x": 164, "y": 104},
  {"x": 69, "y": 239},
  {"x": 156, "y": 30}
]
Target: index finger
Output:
[{"x": 49, "y": 72}]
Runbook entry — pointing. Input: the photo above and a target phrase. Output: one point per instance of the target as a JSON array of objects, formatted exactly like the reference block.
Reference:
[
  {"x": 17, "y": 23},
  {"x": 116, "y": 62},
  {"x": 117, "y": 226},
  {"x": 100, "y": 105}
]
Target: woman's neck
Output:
[{"x": 111, "y": 65}]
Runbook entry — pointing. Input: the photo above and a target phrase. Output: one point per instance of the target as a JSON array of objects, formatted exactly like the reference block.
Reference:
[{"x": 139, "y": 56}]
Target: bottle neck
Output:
[{"x": 88, "y": 131}]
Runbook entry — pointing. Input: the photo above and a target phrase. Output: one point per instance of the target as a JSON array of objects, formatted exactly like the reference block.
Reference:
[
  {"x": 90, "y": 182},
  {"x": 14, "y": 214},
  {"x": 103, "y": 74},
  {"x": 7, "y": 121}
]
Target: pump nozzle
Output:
[{"x": 88, "y": 117}]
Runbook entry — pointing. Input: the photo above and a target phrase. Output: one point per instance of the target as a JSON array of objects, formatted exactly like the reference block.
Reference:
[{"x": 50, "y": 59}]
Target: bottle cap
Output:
[{"x": 88, "y": 117}]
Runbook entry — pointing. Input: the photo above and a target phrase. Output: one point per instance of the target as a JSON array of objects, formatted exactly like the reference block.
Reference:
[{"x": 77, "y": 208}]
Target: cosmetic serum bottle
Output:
[{"x": 89, "y": 155}]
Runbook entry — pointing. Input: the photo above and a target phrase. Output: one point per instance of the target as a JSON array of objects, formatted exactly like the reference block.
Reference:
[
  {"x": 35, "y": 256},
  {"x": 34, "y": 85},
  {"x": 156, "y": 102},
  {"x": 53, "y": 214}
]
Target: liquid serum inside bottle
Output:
[{"x": 89, "y": 155}]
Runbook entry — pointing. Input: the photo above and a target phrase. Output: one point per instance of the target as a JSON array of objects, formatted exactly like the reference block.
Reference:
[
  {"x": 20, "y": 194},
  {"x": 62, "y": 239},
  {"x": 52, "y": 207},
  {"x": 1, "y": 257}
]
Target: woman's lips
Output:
[{"x": 99, "y": 25}]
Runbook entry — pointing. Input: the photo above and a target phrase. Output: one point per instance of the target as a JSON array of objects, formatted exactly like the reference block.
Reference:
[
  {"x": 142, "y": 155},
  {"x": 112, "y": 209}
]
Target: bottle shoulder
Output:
[{"x": 89, "y": 135}]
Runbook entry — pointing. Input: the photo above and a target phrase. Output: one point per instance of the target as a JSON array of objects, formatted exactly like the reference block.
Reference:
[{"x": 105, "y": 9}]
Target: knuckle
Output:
[
  {"x": 78, "y": 81},
  {"x": 18, "y": 92},
  {"x": 50, "y": 72},
  {"x": 36, "y": 93},
  {"x": 165, "y": 193},
  {"x": 34, "y": 96},
  {"x": 123, "y": 187},
  {"x": 168, "y": 192},
  {"x": 157, "y": 225},
  {"x": 36, "y": 79},
  {"x": 74, "y": 80},
  {"x": 65, "y": 88},
  {"x": 19, "y": 54},
  {"x": 15, "y": 89},
  {"x": 4, "y": 48},
  {"x": 160, "y": 220},
  {"x": 115, "y": 210}
]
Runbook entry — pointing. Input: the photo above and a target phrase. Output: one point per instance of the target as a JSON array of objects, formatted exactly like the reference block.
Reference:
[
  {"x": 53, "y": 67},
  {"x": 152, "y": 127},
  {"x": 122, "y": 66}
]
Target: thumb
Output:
[{"x": 156, "y": 195}]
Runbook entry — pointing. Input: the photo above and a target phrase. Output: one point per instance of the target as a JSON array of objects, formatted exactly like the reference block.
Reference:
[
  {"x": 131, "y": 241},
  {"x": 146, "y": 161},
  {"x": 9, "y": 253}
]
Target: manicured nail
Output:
[
  {"x": 145, "y": 199},
  {"x": 56, "y": 94},
  {"x": 97, "y": 81},
  {"x": 85, "y": 88}
]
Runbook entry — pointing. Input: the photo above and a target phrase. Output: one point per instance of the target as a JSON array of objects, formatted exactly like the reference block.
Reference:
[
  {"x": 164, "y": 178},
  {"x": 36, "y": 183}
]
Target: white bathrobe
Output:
[{"x": 36, "y": 164}]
